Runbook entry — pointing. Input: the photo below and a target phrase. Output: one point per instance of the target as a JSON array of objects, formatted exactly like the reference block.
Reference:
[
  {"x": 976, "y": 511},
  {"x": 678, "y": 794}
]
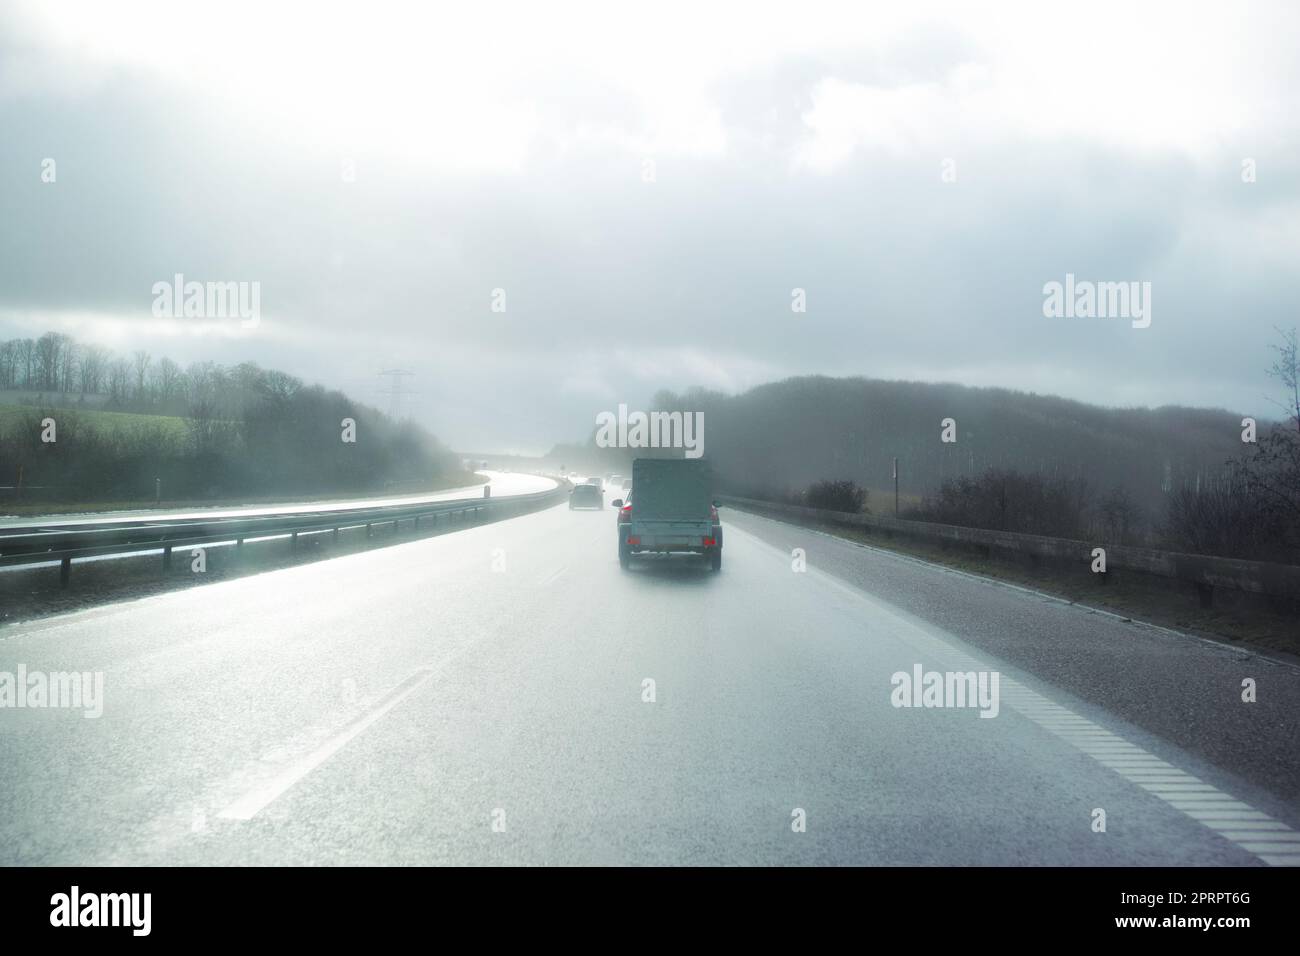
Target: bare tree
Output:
[
  {"x": 140, "y": 363},
  {"x": 26, "y": 355},
  {"x": 94, "y": 363},
  {"x": 1275, "y": 470},
  {"x": 1265, "y": 489},
  {"x": 8, "y": 363},
  {"x": 119, "y": 381},
  {"x": 166, "y": 380},
  {"x": 279, "y": 387},
  {"x": 1286, "y": 369},
  {"x": 69, "y": 355},
  {"x": 49, "y": 348},
  {"x": 1119, "y": 515}
]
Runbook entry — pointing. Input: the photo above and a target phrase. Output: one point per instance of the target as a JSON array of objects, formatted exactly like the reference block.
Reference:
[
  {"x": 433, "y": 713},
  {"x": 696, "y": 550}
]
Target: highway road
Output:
[{"x": 484, "y": 697}]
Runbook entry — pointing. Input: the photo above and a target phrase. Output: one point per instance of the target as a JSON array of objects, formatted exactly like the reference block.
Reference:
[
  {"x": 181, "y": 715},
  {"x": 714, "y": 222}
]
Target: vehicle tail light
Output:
[
  {"x": 710, "y": 542},
  {"x": 633, "y": 539}
]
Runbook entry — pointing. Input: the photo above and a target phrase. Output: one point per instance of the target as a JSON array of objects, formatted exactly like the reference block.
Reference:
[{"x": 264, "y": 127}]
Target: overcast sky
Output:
[{"x": 787, "y": 146}]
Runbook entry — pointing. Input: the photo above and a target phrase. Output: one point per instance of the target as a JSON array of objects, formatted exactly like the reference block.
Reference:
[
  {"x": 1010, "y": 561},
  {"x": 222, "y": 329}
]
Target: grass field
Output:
[{"x": 13, "y": 417}]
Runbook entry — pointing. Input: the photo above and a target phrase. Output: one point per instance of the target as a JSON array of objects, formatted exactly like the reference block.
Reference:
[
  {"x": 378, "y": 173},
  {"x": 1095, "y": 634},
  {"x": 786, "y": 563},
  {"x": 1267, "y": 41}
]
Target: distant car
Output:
[
  {"x": 627, "y": 484},
  {"x": 586, "y": 496},
  {"x": 596, "y": 482},
  {"x": 614, "y": 481}
]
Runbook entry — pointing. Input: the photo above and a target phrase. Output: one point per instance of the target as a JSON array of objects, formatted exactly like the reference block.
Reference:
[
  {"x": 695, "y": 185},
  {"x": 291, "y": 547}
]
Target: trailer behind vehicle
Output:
[{"x": 670, "y": 510}]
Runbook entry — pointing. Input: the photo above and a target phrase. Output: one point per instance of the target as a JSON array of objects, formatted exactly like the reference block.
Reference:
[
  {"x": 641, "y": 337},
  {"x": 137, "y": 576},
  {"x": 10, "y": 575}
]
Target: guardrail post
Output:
[
  {"x": 293, "y": 541},
  {"x": 368, "y": 531},
  {"x": 336, "y": 535},
  {"x": 1206, "y": 594},
  {"x": 65, "y": 571},
  {"x": 167, "y": 558},
  {"x": 417, "y": 522}
]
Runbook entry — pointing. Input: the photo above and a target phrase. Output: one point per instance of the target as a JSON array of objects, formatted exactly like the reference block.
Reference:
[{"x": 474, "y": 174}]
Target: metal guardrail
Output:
[
  {"x": 1203, "y": 571},
  {"x": 65, "y": 542}
]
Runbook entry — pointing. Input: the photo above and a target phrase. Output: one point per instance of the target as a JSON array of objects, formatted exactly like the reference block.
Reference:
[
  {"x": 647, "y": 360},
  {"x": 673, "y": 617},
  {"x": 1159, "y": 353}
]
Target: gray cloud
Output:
[{"x": 617, "y": 287}]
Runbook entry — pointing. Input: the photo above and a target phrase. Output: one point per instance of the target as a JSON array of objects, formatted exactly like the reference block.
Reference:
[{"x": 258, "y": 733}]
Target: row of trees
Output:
[{"x": 57, "y": 364}]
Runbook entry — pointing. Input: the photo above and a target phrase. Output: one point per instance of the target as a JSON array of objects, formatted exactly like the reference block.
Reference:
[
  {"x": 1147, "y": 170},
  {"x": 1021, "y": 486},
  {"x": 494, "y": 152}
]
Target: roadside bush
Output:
[
  {"x": 1007, "y": 500},
  {"x": 843, "y": 495},
  {"x": 1226, "y": 521},
  {"x": 1118, "y": 520}
]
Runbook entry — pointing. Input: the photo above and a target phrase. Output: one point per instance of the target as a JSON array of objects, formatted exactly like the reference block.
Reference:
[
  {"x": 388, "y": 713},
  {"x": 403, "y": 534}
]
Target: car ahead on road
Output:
[
  {"x": 586, "y": 496},
  {"x": 627, "y": 484},
  {"x": 596, "y": 482},
  {"x": 670, "y": 512}
]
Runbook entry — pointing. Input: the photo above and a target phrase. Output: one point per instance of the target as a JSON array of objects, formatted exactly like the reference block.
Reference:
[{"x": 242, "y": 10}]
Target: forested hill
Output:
[
  {"x": 120, "y": 425},
  {"x": 793, "y": 432}
]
